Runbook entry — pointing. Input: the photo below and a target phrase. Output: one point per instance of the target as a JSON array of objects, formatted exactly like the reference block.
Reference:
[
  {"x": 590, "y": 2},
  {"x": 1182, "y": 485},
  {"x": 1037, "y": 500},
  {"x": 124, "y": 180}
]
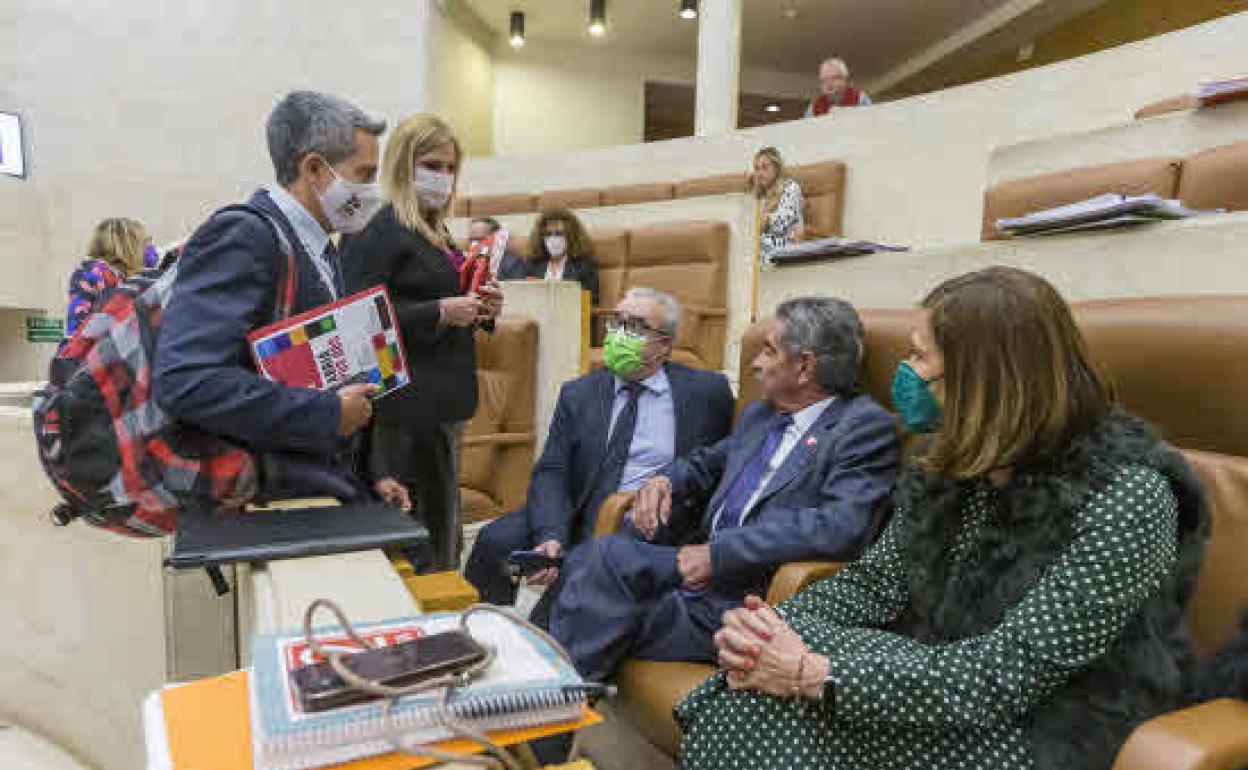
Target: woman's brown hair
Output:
[
  {"x": 119, "y": 242},
  {"x": 580, "y": 247},
  {"x": 1018, "y": 381}
]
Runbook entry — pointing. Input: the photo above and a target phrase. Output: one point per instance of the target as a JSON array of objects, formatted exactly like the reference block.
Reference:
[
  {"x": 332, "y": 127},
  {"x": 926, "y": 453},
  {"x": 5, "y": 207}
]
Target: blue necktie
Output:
[
  {"x": 335, "y": 268},
  {"x": 621, "y": 441},
  {"x": 746, "y": 483}
]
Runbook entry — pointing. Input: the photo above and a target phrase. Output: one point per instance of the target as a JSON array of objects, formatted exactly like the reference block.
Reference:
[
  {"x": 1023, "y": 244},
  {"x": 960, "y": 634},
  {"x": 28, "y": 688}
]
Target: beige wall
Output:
[
  {"x": 155, "y": 110},
  {"x": 569, "y": 97},
  {"x": 1195, "y": 256},
  {"x": 462, "y": 79}
]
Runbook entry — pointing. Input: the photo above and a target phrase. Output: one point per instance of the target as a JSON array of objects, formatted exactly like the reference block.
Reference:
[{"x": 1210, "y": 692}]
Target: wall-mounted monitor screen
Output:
[{"x": 12, "y": 145}]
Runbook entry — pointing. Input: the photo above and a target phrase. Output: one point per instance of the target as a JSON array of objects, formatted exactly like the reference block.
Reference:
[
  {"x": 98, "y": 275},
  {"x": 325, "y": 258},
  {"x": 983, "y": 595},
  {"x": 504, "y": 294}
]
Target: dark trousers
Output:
[
  {"x": 486, "y": 568},
  {"x": 622, "y": 598},
  {"x": 487, "y": 563},
  {"x": 426, "y": 461}
]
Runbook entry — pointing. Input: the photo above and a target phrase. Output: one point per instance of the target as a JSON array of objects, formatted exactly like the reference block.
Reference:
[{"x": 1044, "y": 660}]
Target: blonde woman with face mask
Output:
[{"x": 417, "y": 431}]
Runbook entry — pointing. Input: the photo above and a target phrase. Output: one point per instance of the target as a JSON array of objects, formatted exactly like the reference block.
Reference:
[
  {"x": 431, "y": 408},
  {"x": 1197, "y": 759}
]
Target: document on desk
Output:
[
  {"x": 528, "y": 685},
  {"x": 354, "y": 340}
]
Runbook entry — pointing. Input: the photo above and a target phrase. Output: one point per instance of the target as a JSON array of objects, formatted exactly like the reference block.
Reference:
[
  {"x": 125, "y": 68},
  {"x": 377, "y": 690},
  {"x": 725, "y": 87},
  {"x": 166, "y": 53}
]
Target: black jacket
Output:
[
  {"x": 442, "y": 360},
  {"x": 583, "y": 271}
]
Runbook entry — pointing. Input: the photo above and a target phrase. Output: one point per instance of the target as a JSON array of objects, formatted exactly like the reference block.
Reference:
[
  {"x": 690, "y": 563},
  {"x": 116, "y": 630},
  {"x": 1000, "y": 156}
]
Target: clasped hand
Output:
[{"x": 760, "y": 651}]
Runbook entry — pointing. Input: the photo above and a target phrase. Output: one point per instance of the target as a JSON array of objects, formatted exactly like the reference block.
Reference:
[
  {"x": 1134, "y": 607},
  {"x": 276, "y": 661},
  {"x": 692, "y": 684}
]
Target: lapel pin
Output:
[{"x": 810, "y": 441}]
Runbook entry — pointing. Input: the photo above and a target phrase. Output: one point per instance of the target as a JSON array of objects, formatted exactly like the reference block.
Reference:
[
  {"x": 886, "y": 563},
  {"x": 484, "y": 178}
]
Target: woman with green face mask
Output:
[{"x": 1024, "y": 608}]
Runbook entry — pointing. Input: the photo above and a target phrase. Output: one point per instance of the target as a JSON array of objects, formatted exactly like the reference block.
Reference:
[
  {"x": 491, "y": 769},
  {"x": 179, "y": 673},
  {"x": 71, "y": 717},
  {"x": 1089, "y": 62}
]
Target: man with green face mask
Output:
[{"x": 612, "y": 430}]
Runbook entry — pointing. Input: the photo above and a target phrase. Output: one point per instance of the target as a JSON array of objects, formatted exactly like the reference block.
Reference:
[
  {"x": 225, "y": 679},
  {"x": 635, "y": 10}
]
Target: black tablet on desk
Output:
[{"x": 213, "y": 539}]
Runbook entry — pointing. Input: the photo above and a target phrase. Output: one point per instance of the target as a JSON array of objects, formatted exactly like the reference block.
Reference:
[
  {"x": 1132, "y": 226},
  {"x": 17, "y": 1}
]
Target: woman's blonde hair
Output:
[
  {"x": 770, "y": 196},
  {"x": 120, "y": 243},
  {"x": 1018, "y": 382},
  {"x": 580, "y": 247},
  {"x": 418, "y": 135}
]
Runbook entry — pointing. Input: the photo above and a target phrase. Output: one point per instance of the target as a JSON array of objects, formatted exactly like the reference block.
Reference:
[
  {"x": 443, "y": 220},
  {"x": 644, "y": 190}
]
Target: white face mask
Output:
[
  {"x": 433, "y": 188},
  {"x": 556, "y": 245},
  {"x": 349, "y": 205}
]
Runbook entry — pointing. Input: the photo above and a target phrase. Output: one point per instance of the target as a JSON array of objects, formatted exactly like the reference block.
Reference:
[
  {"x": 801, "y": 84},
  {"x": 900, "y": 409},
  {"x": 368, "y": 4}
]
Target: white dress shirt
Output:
[{"x": 311, "y": 235}]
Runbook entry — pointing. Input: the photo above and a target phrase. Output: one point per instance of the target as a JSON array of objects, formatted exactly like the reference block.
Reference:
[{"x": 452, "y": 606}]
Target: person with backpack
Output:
[{"x": 231, "y": 279}]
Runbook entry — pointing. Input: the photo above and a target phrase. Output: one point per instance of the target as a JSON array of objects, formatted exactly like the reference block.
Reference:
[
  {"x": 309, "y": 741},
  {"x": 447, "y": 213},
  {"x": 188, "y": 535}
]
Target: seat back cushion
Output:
[
  {"x": 1035, "y": 193},
  {"x": 685, "y": 259},
  {"x": 1216, "y": 178}
]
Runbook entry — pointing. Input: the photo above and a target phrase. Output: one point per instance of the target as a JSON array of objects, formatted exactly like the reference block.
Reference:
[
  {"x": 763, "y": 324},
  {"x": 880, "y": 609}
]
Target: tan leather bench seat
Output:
[
  {"x": 1023, "y": 196},
  {"x": 499, "y": 439}
]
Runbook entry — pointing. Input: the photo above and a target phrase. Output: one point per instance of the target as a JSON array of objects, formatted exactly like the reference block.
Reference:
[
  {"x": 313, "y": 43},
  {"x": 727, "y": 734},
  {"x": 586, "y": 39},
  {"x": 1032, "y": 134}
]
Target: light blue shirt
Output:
[
  {"x": 654, "y": 438},
  {"x": 310, "y": 233}
]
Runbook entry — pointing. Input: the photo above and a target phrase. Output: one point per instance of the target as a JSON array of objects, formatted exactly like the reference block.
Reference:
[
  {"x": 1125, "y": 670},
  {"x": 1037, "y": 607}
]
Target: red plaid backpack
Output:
[{"x": 117, "y": 459}]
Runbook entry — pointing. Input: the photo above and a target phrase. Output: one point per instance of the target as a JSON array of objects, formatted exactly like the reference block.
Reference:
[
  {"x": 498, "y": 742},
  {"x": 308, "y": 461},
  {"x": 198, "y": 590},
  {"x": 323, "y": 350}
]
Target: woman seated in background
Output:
[
  {"x": 559, "y": 249},
  {"x": 1024, "y": 607},
  {"x": 780, "y": 202},
  {"x": 116, "y": 250}
]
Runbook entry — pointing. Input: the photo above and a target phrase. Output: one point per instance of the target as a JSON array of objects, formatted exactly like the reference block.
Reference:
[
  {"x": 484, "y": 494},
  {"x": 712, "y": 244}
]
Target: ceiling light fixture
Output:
[
  {"x": 773, "y": 107},
  {"x": 789, "y": 10},
  {"x": 597, "y": 17},
  {"x": 517, "y": 29},
  {"x": 688, "y": 9}
]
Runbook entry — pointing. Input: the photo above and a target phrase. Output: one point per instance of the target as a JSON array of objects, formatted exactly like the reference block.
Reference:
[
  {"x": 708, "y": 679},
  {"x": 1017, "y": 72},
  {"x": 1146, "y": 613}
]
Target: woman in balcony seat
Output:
[
  {"x": 559, "y": 250},
  {"x": 780, "y": 202},
  {"x": 1025, "y": 606}
]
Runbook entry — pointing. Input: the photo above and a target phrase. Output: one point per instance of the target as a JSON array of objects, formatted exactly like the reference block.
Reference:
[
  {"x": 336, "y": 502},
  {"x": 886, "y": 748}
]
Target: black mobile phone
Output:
[
  {"x": 526, "y": 563},
  {"x": 320, "y": 688}
]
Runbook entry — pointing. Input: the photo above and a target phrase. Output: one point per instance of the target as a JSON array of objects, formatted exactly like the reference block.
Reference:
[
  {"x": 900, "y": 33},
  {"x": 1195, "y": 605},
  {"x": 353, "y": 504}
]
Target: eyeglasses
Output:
[{"x": 633, "y": 325}]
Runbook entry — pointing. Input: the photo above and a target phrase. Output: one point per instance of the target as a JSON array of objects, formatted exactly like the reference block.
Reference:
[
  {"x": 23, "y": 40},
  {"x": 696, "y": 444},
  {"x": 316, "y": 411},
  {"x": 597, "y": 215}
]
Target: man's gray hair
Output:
[
  {"x": 831, "y": 331},
  {"x": 669, "y": 304},
  {"x": 306, "y": 122}
]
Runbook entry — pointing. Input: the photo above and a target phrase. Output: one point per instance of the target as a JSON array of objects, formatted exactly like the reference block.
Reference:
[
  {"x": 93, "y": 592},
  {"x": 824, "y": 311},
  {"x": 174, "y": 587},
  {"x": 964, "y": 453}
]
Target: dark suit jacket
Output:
[
  {"x": 703, "y": 405},
  {"x": 203, "y": 375},
  {"x": 821, "y": 503},
  {"x": 442, "y": 360},
  {"x": 583, "y": 271}
]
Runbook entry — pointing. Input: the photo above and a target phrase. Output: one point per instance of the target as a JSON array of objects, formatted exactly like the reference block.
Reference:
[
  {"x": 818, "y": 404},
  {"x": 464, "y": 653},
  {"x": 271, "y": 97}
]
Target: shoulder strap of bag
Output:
[{"x": 287, "y": 268}]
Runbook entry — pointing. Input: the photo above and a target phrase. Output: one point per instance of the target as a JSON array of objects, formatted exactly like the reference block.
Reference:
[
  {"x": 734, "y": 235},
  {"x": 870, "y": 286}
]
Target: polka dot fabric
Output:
[{"x": 959, "y": 705}]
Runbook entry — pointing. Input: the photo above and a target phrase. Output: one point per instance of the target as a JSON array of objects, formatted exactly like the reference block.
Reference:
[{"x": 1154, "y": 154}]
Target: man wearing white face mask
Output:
[{"x": 229, "y": 282}]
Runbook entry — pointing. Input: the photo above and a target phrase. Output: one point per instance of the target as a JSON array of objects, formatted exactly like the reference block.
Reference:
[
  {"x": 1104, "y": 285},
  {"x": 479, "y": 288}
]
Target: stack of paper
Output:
[
  {"x": 827, "y": 248},
  {"x": 1104, "y": 212},
  {"x": 1219, "y": 91},
  {"x": 527, "y": 686}
]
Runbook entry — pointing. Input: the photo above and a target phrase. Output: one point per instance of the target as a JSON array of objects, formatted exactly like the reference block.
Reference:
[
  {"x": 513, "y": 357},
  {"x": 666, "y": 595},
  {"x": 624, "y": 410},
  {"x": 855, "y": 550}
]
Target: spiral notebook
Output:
[{"x": 528, "y": 685}]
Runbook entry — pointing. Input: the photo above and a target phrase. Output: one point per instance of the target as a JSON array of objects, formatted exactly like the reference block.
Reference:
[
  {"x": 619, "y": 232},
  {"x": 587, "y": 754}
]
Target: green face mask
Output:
[{"x": 622, "y": 352}]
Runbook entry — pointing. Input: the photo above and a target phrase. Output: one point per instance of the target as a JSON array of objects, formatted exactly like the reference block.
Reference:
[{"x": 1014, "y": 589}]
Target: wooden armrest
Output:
[
  {"x": 1211, "y": 736},
  {"x": 611, "y": 514},
  {"x": 796, "y": 575},
  {"x": 499, "y": 439},
  {"x": 708, "y": 312}
]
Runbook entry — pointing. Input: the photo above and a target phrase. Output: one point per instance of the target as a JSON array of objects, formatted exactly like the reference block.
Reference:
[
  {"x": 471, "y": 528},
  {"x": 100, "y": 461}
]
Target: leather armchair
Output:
[
  {"x": 1211, "y": 736},
  {"x": 650, "y": 689}
]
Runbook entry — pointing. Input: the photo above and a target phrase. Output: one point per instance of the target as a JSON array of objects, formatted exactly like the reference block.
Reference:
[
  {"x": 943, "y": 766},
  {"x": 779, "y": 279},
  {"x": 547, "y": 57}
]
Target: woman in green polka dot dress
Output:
[{"x": 1024, "y": 607}]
